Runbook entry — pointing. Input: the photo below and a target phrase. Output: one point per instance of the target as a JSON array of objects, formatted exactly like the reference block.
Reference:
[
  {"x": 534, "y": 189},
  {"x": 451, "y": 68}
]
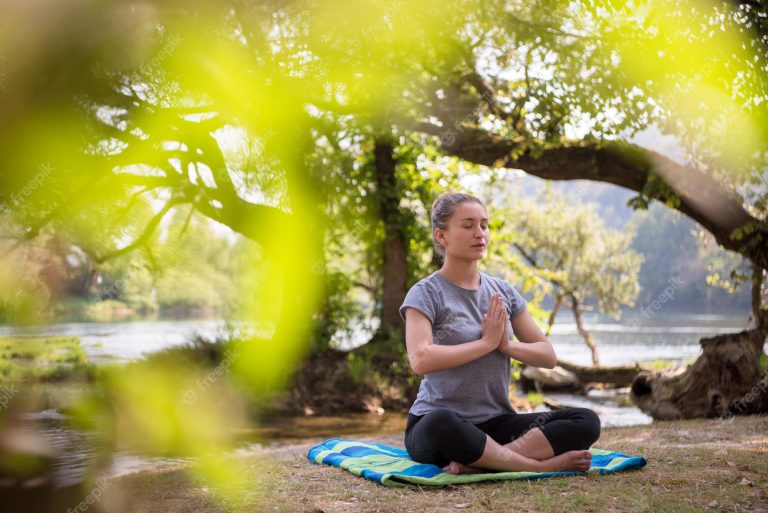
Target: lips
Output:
[{"x": 479, "y": 246}]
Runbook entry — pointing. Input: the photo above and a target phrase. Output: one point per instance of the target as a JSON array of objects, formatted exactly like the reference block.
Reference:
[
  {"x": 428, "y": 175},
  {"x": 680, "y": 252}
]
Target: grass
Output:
[
  {"x": 693, "y": 465},
  {"x": 42, "y": 359}
]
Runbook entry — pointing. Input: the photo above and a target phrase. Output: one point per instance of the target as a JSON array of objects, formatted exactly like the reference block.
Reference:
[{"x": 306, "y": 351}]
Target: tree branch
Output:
[
  {"x": 702, "y": 198},
  {"x": 146, "y": 234}
]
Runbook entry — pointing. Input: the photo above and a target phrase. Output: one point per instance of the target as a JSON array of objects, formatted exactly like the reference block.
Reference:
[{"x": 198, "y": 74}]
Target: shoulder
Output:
[
  {"x": 425, "y": 296},
  {"x": 429, "y": 284}
]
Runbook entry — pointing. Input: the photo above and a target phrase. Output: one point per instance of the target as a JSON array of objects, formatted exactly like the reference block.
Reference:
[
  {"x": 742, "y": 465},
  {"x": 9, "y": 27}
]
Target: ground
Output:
[{"x": 693, "y": 465}]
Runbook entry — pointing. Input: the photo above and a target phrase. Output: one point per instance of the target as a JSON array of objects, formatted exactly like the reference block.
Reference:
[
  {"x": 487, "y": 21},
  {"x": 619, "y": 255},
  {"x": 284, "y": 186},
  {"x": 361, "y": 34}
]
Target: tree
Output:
[
  {"x": 677, "y": 75},
  {"x": 566, "y": 243},
  {"x": 551, "y": 88}
]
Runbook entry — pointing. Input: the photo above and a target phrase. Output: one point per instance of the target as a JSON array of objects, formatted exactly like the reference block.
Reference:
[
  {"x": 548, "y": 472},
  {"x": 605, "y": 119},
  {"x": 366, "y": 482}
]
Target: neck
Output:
[{"x": 461, "y": 272}]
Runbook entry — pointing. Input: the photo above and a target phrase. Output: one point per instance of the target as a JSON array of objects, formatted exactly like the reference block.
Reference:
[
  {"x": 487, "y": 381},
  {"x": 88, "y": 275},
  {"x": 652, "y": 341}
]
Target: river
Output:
[{"x": 639, "y": 339}]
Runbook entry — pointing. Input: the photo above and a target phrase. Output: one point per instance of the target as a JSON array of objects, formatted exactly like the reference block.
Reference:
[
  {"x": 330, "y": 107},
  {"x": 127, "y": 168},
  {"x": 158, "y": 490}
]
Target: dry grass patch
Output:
[{"x": 694, "y": 465}]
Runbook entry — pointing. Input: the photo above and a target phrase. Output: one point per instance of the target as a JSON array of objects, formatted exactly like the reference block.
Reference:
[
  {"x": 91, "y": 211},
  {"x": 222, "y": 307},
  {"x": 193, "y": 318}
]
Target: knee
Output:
[
  {"x": 441, "y": 424},
  {"x": 590, "y": 425}
]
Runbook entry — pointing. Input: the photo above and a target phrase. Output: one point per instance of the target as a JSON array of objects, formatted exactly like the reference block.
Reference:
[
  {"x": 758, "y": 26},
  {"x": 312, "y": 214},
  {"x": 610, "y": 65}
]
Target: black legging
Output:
[{"x": 441, "y": 436}]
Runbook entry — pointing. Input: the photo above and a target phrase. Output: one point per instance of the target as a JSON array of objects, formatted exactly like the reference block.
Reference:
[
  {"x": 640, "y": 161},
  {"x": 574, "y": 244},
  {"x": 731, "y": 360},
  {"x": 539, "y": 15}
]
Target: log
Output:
[
  {"x": 621, "y": 376},
  {"x": 557, "y": 378}
]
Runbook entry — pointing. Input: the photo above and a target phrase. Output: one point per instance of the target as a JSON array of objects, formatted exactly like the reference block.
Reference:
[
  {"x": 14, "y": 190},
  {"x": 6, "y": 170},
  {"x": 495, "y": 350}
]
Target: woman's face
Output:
[{"x": 467, "y": 233}]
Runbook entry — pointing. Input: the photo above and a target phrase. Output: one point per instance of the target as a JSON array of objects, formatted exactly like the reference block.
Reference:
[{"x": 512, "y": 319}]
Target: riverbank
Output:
[{"x": 693, "y": 465}]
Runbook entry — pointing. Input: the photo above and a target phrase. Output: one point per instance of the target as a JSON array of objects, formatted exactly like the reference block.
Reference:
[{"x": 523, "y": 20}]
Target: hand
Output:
[
  {"x": 505, "y": 335},
  {"x": 495, "y": 322},
  {"x": 504, "y": 338}
]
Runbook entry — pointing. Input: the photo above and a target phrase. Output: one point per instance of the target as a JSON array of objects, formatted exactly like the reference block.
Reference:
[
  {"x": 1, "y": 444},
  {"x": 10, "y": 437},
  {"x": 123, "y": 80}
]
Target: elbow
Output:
[
  {"x": 552, "y": 360},
  {"x": 417, "y": 365}
]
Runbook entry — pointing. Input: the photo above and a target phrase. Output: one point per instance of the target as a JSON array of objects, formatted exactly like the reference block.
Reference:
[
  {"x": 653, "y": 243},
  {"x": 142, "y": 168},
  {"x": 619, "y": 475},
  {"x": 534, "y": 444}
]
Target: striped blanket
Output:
[{"x": 391, "y": 466}]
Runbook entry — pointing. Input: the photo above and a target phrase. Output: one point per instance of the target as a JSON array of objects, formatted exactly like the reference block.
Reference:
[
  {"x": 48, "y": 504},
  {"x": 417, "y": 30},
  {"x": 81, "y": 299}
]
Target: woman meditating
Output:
[{"x": 459, "y": 325}]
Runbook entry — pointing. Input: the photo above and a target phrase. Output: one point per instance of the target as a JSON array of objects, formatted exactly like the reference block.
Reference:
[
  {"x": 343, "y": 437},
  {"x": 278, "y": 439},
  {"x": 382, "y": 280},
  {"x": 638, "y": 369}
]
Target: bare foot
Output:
[
  {"x": 571, "y": 460},
  {"x": 455, "y": 467}
]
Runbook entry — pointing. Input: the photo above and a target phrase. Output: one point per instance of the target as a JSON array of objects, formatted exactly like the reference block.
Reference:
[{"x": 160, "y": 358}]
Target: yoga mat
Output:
[{"x": 391, "y": 466}]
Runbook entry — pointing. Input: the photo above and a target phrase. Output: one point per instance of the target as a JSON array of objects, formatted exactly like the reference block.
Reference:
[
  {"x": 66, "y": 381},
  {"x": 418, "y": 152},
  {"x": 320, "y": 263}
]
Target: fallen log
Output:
[
  {"x": 621, "y": 376},
  {"x": 568, "y": 376}
]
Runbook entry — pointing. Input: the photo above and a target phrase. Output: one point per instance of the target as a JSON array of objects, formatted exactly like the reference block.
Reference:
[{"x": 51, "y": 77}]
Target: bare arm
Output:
[
  {"x": 425, "y": 356},
  {"x": 535, "y": 349}
]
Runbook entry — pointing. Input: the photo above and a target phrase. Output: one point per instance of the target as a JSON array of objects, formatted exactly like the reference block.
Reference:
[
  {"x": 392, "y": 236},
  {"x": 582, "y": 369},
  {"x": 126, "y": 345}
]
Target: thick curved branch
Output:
[{"x": 702, "y": 198}]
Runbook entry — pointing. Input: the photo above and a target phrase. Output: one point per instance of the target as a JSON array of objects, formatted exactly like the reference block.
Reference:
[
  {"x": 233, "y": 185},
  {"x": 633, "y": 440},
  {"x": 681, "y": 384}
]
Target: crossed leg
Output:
[
  {"x": 530, "y": 452},
  {"x": 573, "y": 430}
]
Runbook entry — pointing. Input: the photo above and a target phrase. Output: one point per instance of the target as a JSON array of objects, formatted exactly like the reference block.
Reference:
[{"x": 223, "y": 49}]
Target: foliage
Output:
[
  {"x": 121, "y": 115},
  {"x": 564, "y": 244}
]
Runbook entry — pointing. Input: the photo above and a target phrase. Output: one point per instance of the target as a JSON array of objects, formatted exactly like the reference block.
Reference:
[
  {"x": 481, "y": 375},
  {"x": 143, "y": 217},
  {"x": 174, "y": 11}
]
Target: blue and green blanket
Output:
[{"x": 391, "y": 466}]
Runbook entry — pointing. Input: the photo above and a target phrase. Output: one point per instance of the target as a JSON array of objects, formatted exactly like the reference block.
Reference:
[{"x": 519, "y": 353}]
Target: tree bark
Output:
[
  {"x": 553, "y": 314},
  {"x": 622, "y": 375},
  {"x": 586, "y": 335},
  {"x": 394, "y": 250},
  {"x": 724, "y": 381},
  {"x": 759, "y": 313}
]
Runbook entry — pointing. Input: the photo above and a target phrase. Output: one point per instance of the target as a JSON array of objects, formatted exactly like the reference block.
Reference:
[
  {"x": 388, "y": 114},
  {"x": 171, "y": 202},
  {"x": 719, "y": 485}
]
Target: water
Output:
[
  {"x": 624, "y": 343},
  {"x": 635, "y": 339},
  {"x": 125, "y": 341},
  {"x": 674, "y": 338}
]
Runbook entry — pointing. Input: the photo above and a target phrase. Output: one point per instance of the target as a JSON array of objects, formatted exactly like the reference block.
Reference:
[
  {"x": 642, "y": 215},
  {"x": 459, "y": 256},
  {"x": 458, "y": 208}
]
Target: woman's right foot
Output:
[
  {"x": 579, "y": 461},
  {"x": 455, "y": 467}
]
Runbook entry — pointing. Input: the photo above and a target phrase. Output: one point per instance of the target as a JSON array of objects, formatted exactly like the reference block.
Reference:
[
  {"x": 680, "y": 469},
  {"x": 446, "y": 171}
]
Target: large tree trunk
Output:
[
  {"x": 395, "y": 254},
  {"x": 724, "y": 381}
]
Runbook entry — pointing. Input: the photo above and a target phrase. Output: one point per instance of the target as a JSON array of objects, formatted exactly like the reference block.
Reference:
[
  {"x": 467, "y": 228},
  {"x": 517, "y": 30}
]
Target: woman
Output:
[{"x": 459, "y": 324}]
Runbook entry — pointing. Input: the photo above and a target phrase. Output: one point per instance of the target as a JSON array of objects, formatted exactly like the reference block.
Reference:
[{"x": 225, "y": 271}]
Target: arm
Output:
[
  {"x": 535, "y": 349},
  {"x": 425, "y": 356}
]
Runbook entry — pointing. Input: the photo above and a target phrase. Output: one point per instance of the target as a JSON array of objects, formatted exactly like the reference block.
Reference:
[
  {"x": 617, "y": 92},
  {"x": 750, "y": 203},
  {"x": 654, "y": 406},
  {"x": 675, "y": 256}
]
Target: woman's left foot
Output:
[{"x": 455, "y": 467}]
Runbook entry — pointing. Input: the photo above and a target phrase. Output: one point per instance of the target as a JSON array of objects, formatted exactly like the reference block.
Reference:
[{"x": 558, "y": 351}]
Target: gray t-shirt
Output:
[{"x": 477, "y": 390}]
